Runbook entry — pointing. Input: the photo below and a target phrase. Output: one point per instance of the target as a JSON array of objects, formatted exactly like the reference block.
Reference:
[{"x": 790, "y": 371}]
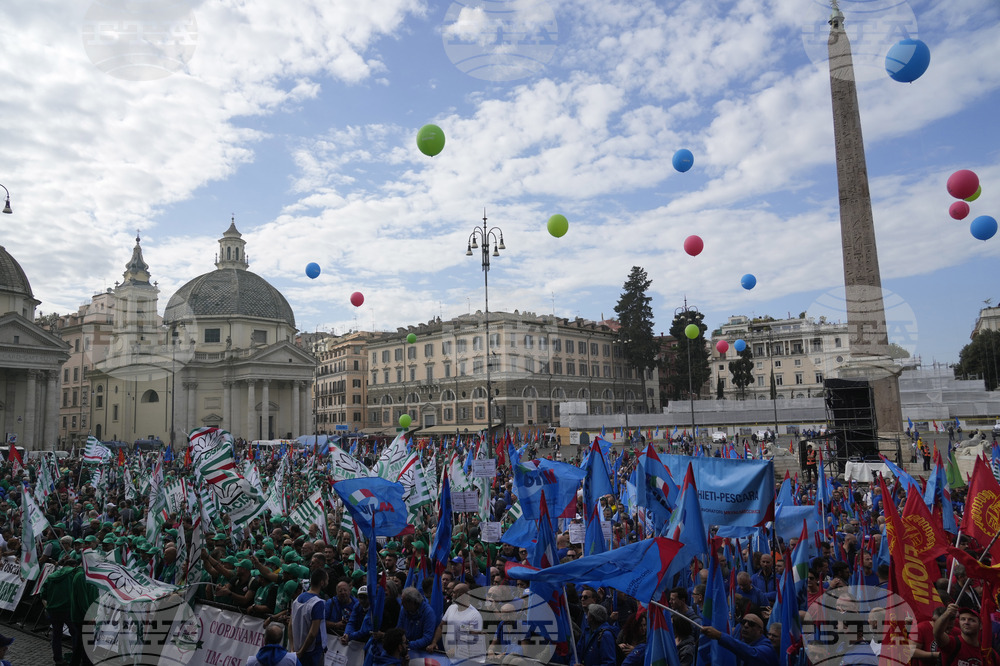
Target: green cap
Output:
[
  {"x": 245, "y": 564},
  {"x": 60, "y": 526},
  {"x": 290, "y": 587},
  {"x": 392, "y": 545},
  {"x": 358, "y": 574},
  {"x": 229, "y": 560},
  {"x": 107, "y": 523},
  {"x": 172, "y": 533},
  {"x": 260, "y": 554},
  {"x": 90, "y": 539},
  {"x": 109, "y": 540},
  {"x": 121, "y": 541},
  {"x": 77, "y": 540},
  {"x": 268, "y": 543},
  {"x": 274, "y": 561},
  {"x": 243, "y": 554},
  {"x": 254, "y": 572},
  {"x": 419, "y": 545}
]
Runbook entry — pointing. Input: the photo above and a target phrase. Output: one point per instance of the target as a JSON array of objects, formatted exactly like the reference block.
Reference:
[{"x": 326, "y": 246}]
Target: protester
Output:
[
  {"x": 273, "y": 654},
  {"x": 307, "y": 634}
]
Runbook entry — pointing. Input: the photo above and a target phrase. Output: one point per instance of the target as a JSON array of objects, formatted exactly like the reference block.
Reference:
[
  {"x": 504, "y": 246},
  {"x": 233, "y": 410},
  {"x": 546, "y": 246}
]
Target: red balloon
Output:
[
  {"x": 722, "y": 346},
  {"x": 357, "y": 298},
  {"x": 963, "y": 184},
  {"x": 958, "y": 210},
  {"x": 693, "y": 245}
]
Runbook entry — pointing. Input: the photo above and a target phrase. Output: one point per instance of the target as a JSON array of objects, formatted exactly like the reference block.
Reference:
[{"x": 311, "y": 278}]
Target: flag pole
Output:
[
  {"x": 951, "y": 572},
  {"x": 678, "y": 614},
  {"x": 979, "y": 559},
  {"x": 569, "y": 616}
]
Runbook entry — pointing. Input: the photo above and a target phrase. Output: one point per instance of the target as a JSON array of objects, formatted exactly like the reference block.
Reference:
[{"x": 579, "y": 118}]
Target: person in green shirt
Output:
[
  {"x": 264, "y": 596},
  {"x": 83, "y": 594},
  {"x": 56, "y": 596}
]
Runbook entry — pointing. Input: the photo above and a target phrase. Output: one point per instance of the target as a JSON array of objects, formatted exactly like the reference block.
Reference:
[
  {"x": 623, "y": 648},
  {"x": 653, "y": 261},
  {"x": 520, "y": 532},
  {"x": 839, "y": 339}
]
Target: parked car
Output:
[
  {"x": 996, "y": 429},
  {"x": 719, "y": 438}
]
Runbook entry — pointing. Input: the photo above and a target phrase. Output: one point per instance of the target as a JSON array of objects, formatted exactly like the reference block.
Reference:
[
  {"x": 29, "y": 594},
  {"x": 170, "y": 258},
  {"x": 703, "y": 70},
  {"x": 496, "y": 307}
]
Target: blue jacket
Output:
[
  {"x": 755, "y": 596},
  {"x": 761, "y": 653},
  {"x": 597, "y": 647},
  {"x": 766, "y": 586},
  {"x": 359, "y": 627},
  {"x": 338, "y": 612},
  {"x": 273, "y": 655},
  {"x": 420, "y": 627},
  {"x": 637, "y": 657}
]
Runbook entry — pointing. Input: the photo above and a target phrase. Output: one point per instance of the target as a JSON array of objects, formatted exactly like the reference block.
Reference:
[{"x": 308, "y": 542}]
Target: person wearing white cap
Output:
[{"x": 359, "y": 626}]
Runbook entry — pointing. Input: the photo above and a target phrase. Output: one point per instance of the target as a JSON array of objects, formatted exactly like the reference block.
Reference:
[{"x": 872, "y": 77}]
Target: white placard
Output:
[
  {"x": 465, "y": 501},
  {"x": 491, "y": 532},
  {"x": 606, "y": 528},
  {"x": 576, "y": 532},
  {"x": 11, "y": 584},
  {"x": 484, "y": 468}
]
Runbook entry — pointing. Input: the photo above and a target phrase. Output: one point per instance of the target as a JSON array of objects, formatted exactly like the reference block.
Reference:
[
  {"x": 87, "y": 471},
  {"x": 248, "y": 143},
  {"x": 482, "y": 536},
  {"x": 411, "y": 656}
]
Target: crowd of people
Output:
[{"x": 310, "y": 591}]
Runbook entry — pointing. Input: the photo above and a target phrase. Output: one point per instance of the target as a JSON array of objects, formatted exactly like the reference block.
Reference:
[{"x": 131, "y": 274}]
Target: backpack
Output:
[{"x": 619, "y": 653}]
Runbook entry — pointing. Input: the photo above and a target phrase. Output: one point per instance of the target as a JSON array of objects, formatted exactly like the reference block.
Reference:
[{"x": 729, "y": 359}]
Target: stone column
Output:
[
  {"x": 296, "y": 409},
  {"x": 251, "y": 432},
  {"x": 51, "y": 429},
  {"x": 265, "y": 410},
  {"x": 30, "y": 411},
  {"x": 227, "y": 404},
  {"x": 307, "y": 425},
  {"x": 191, "y": 418}
]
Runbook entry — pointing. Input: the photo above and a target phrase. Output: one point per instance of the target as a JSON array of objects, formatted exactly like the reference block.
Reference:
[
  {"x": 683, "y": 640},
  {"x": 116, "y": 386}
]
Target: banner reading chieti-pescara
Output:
[{"x": 731, "y": 492}]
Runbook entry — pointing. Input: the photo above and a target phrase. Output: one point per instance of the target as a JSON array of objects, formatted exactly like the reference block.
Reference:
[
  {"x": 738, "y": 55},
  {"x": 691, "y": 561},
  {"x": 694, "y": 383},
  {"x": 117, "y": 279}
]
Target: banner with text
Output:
[
  {"x": 731, "y": 492},
  {"x": 11, "y": 584}
]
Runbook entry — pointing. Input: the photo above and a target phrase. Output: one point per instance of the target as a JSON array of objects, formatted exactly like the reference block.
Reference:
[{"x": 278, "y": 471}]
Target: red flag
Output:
[
  {"x": 14, "y": 456},
  {"x": 981, "y": 519},
  {"x": 909, "y": 577},
  {"x": 502, "y": 452},
  {"x": 121, "y": 457},
  {"x": 187, "y": 457},
  {"x": 922, "y": 531}
]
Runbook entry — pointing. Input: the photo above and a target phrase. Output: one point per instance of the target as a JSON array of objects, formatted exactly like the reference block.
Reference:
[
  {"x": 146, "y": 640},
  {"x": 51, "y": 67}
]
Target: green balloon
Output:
[
  {"x": 692, "y": 331},
  {"x": 979, "y": 190},
  {"x": 430, "y": 140},
  {"x": 405, "y": 421},
  {"x": 411, "y": 338},
  {"x": 558, "y": 225}
]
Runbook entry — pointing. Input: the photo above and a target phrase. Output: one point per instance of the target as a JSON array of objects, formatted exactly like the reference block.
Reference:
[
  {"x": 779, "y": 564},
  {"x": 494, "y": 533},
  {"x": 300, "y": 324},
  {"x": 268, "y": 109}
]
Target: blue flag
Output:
[
  {"x": 788, "y": 614},
  {"x": 661, "y": 646},
  {"x": 716, "y": 614},
  {"x": 374, "y": 498},
  {"x": 559, "y": 480},
  {"x": 788, "y": 520},
  {"x": 938, "y": 494},
  {"x": 655, "y": 489},
  {"x": 731, "y": 492},
  {"x": 596, "y": 483},
  {"x": 637, "y": 569},
  {"x": 901, "y": 474},
  {"x": 687, "y": 527},
  {"x": 441, "y": 550}
]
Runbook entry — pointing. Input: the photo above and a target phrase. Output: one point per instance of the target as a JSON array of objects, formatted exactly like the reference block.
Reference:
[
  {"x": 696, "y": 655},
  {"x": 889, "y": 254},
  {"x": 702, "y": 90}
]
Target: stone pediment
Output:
[
  {"x": 283, "y": 352},
  {"x": 26, "y": 345},
  {"x": 211, "y": 419}
]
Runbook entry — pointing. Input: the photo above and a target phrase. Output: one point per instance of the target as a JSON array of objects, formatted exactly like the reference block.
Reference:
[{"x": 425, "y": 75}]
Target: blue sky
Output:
[{"x": 300, "y": 120}]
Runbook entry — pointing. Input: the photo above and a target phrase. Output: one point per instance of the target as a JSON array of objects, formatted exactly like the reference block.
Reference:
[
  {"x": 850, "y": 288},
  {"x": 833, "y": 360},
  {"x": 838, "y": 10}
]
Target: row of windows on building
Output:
[
  {"x": 257, "y": 336},
  {"x": 779, "y": 380},
  {"x": 528, "y": 341},
  {"x": 339, "y": 366},
  {"x": 514, "y": 364}
]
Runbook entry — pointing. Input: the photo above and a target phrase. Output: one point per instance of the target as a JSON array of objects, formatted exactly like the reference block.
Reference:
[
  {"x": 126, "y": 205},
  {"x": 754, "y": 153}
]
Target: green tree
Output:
[
  {"x": 895, "y": 351},
  {"x": 698, "y": 350},
  {"x": 635, "y": 319},
  {"x": 741, "y": 368},
  {"x": 981, "y": 358}
]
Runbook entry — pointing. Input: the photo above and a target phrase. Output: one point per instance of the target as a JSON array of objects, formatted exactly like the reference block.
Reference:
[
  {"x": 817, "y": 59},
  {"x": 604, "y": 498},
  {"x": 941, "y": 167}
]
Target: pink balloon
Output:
[
  {"x": 357, "y": 298},
  {"x": 722, "y": 346},
  {"x": 963, "y": 184},
  {"x": 958, "y": 210},
  {"x": 693, "y": 245}
]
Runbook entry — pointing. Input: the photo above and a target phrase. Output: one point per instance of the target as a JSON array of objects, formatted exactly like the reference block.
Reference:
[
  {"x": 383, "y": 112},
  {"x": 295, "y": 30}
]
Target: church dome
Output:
[
  {"x": 228, "y": 292},
  {"x": 12, "y": 277}
]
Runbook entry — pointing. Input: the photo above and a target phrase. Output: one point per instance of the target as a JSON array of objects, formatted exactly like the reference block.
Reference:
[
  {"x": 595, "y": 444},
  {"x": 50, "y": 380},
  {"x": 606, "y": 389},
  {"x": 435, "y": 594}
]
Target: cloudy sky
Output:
[{"x": 299, "y": 118}]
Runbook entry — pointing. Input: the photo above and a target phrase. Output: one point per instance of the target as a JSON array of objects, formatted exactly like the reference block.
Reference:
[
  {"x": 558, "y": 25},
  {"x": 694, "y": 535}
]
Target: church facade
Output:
[
  {"x": 223, "y": 355},
  {"x": 30, "y": 360}
]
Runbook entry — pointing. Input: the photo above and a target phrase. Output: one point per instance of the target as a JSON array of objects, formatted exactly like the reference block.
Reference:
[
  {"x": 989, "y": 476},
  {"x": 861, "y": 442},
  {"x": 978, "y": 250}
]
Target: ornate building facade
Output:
[{"x": 223, "y": 356}]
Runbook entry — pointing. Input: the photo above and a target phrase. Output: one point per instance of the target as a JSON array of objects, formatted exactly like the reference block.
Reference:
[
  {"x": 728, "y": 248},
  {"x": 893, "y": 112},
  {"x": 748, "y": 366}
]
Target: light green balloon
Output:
[
  {"x": 558, "y": 225},
  {"x": 979, "y": 190},
  {"x": 692, "y": 331},
  {"x": 430, "y": 140},
  {"x": 411, "y": 338},
  {"x": 405, "y": 421}
]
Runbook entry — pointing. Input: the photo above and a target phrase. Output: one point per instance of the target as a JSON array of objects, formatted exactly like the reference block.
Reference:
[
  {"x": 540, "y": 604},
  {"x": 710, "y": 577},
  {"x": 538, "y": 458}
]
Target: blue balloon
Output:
[
  {"x": 312, "y": 270},
  {"x": 983, "y": 227},
  {"x": 740, "y": 346},
  {"x": 748, "y": 281},
  {"x": 683, "y": 160},
  {"x": 907, "y": 60}
]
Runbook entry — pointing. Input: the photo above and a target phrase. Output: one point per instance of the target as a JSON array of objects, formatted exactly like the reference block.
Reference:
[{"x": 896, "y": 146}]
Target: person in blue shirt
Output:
[
  {"x": 753, "y": 648},
  {"x": 339, "y": 608},
  {"x": 749, "y": 592},
  {"x": 765, "y": 580},
  {"x": 597, "y": 646},
  {"x": 417, "y": 619},
  {"x": 307, "y": 633},
  {"x": 359, "y": 627},
  {"x": 272, "y": 654}
]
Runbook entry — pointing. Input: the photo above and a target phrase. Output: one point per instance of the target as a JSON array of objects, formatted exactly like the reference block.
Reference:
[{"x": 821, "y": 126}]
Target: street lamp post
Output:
[
  {"x": 773, "y": 387},
  {"x": 689, "y": 312},
  {"x": 6, "y": 207},
  {"x": 480, "y": 238}
]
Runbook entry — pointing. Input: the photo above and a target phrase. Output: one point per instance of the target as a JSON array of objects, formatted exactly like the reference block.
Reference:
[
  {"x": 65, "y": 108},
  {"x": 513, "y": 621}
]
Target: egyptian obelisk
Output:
[{"x": 868, "y": 334}]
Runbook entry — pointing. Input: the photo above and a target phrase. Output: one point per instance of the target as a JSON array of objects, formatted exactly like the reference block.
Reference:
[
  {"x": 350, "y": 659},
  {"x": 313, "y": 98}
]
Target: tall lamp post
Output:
[
  {"x": 480, "y": 239},
  {"x": 6, "y": 207},
  {"x": 773, "y": 387},
  {"x": 689, "y": 312}
]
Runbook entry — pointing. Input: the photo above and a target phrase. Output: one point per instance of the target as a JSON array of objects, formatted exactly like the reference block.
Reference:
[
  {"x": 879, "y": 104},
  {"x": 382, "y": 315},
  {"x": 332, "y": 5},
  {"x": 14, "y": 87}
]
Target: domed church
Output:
[
  {"x": 30, "y": 358},
  {"x": 223, "y": 356}
]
